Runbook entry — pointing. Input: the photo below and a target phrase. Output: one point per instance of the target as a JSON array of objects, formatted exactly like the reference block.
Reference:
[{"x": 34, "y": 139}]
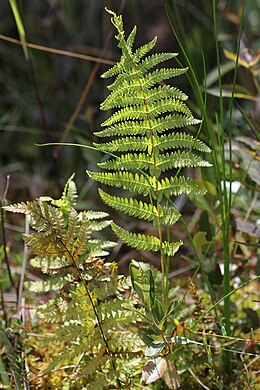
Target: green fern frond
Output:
[
  {"x": 180, "y": 140},
  {"x": 71, "y": 231},
  {"x": 101, "y": 244},
  {"x": 125, "y": 128},
  {"x": 179, "y": 185},
  {"x": 45, "y": 262},
  {"x": 142, "y": 185},
  {"x": 114, "y": 71},
  {"x": 90, "y": 214},
  {"x": 169, "y": 215},
  {"x": 125, "y": 144},
  {"x": 53, "y": 284},
  {"x": 127, "y": 181},
  {"x": 170, "y": 248},
  {"x": 112, "y": 310},
  {"x": 80, "y": 245},
  {"x": 131, "y": 95},
  {"x": 143, "y": 50},
  {"x": 140, "y": 241},
  {"x": 168, "y": 105},
  {"x": 53, "y": 311},
  {"x": 123, "y": 98},
  {"x": 69, "y": 195},
  {"x": 99, "y": 225},
  {"x": 145, "y": 242},
  {"x": 124, "y": 80},
  {"x": 120, "y": 341},
  {"x": 129, "y": 113},
  {"x": 131, "y": 38},
  {"x": 143, "y": 134},
  {"x": 148, "y": 81},
  {"x": 164, "y": 162},
  {"x": 141, "y": 209},
  {"x": 68, "y": 198},
  {"x": 22, "y": 208},
  {"x": 45, "y": 245},
  {"x": 128, "y": 161},
  {"x": 131, "y": 206},
  {"x": 174, "y": 121},
  {"x": 180, "y": 160},
  {"x": 160, "y": 75},
  {"x": 87, "y": 309},
  {"x": 153, "y": 60},
  {"x": 44, "y": 218},
  {"x": 142, "y": 128},
  {"x": 153, "y": 110}
]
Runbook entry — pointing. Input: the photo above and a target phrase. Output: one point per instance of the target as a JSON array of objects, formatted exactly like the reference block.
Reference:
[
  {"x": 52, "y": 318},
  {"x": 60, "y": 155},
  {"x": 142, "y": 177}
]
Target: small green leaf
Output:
[
  {"x": 158, "y": 311},
  {"x": 200, "y": 241},
  {"x": 143, "y": 284},
  {"x": 155, "y": 348}
]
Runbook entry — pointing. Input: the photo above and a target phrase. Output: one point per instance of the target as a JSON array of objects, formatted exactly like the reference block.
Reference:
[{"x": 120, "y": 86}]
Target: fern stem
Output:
[
  {"x": 6, "y": 258},
  {"x": 162, "y": 259},
  {"x": 92, "y": 304},
  {"x": 167, "y": 258}
]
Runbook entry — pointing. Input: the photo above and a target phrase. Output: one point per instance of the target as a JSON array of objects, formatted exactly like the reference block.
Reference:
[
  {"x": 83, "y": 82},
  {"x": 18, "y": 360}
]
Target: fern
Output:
[
  {"x": 148, "y": 243},
  {"x": 142, "y": 142},
  {"x": 141, "y": 210},
  {"x": 87, "y": 305}
]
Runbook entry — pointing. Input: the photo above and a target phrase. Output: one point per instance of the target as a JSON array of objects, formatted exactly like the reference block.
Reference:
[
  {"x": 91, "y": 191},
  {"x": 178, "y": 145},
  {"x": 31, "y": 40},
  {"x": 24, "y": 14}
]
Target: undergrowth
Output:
[{"x": 95, "y": 328}]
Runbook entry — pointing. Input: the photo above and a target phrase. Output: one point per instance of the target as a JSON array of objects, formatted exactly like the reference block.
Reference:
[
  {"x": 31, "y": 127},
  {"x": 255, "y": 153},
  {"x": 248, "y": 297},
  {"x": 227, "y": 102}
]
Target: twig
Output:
[
  {"x": 24, "y": 264},
  {"x": 58, "y": 51},
  {"x": 2, "y": 223},
  {"x": 78, "y": 363},
  {"x": 245, "y": 368},
  {"x": 54, "y": 370},
  {"x": 6, "y": 259},
  {"x": 3, "y": 304},
  {"x": 6, "y": 186},
  {"x": 198, "y": 380},
  {"x": 253, "y": 361}
]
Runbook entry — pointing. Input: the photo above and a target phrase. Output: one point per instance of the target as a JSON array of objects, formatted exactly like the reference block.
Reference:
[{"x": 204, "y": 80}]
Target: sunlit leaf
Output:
[
  {"x": 161, "y": 368},
  {"x": 155, "y": 348},
  {"x": 153, "y": 370},
  {"x": 249, "y": 62},
  {"x": 200, "y": 241},
  {"x": 239, "y": 92},
  {"x": 213, "y": 75}
]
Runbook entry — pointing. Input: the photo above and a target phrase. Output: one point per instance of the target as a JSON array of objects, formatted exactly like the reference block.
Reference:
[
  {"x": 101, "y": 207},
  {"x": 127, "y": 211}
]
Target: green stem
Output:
[{"x": 4, "y": 375}]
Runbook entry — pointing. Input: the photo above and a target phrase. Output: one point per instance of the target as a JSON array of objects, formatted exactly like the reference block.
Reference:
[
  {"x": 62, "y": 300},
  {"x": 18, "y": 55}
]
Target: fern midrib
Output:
[
  {"x": 90, "y": 298},
  {"x": 156, "y": 191},
  {"x": 55, "y": 230},
  {"x": 150, "y": 128}
]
